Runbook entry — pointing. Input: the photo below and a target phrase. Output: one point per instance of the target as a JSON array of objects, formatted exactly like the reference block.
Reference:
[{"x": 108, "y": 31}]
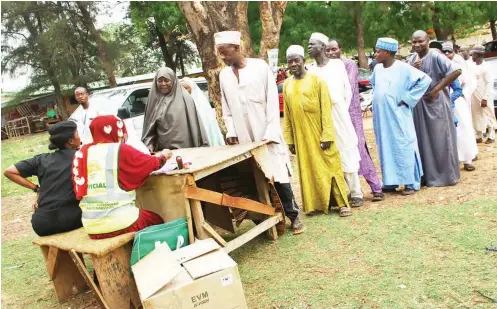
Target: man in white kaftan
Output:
[
  {"x": 466, "y": 144},
  {"x": 482, "y": 107},
  {"x": 333, "y": 72},
  {"x": 251, "y": 113}
]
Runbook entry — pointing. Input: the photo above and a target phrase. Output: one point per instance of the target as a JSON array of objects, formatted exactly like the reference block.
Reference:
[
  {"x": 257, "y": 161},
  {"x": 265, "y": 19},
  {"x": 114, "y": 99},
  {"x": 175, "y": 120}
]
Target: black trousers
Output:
[
  {"x": 47, "y": 222},
  {"x": 287, "y": 199}
]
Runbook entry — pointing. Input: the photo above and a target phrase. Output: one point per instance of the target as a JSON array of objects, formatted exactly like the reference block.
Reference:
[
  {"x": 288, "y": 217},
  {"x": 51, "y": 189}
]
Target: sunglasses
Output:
[{"x": 447, "y": 51}]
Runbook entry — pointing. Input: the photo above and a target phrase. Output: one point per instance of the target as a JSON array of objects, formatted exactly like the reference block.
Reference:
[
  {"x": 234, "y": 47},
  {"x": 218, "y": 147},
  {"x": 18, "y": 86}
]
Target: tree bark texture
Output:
[
  {"x": 106, "y": 63},
  {"x": 271, "y": 13},
  {"x": 363, "y": 61},
  {"x": 204, "y": 19},
  {"x": 493, "y": 29}
]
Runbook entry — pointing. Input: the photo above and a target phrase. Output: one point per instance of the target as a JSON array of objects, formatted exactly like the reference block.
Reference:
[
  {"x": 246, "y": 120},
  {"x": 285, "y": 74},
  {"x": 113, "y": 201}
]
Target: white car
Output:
[{"x": 128, "y": 102}]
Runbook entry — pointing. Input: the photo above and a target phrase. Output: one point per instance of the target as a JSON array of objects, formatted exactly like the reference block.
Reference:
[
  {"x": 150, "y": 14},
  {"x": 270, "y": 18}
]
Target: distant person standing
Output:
[
  {"x": 466, "y": 144},
  {"x": 483, "y": 115},
  {"x": 433, "y": 117},
  {"x": 83, "y": 114}
]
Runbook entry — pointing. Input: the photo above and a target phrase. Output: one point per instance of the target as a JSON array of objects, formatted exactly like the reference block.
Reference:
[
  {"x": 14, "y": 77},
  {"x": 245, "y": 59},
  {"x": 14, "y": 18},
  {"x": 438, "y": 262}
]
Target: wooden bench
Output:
[{"x": 111, "y": 257}]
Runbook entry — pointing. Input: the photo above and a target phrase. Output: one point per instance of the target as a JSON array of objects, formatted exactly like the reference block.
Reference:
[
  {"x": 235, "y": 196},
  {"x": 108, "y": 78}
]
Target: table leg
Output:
[
  {"x": 113, "y": 271},
  {"x": 198, "y": 219}
]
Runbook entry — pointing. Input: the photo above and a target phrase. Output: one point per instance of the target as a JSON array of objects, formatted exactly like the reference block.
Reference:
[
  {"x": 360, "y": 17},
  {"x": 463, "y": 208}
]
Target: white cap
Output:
[
  {"x": 319, "y": 37},
  {"x": 227, "y": 37},
  {"x": 295, "y": 50}
]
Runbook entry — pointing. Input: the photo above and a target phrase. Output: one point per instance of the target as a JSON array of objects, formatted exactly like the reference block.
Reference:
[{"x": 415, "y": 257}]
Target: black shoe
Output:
[{"x": 356, "y": 202}]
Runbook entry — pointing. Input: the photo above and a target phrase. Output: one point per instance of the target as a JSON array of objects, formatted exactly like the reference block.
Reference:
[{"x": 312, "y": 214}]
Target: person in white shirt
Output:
[
  {"x": 333, "y": 72},
  {"x": 81, "y": 116}
]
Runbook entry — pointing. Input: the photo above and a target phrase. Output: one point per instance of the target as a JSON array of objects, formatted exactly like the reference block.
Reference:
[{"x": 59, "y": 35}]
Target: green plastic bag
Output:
[{"x": 174, "y": 233}]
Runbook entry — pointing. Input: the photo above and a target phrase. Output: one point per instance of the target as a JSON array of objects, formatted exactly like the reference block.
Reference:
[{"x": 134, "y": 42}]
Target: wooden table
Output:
[{"x": 179, "y": 193}]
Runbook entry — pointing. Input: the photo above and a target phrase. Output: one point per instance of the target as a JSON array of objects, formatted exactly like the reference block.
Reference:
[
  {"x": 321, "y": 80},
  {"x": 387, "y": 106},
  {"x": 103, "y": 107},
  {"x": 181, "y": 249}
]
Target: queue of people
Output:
[{"x": 422, "y": 133}]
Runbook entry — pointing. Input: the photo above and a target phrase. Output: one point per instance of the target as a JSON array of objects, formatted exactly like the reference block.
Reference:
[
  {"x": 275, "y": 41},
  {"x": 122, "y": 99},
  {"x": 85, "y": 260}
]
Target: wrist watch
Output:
[{"x": 36, "y": 189}]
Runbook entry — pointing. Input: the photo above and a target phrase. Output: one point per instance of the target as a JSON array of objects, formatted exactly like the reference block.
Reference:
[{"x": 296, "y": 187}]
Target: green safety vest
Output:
[{"x": 106, "y": 208}]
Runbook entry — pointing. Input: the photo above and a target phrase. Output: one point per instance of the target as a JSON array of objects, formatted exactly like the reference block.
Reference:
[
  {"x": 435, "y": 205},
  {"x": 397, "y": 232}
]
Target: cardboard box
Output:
[{"x": 198, "y": 276}]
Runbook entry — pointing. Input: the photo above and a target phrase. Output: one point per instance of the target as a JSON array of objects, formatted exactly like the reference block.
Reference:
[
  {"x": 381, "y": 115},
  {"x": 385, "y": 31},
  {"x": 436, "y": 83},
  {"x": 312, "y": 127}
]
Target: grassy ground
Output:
[
  {"x": 423, "y": 251},
  {"x": 15, "y": 150}
]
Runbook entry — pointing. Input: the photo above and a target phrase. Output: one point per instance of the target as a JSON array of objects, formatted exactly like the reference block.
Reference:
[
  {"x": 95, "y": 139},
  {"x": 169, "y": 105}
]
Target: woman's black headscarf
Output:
[{"x": 61, "y": 133}]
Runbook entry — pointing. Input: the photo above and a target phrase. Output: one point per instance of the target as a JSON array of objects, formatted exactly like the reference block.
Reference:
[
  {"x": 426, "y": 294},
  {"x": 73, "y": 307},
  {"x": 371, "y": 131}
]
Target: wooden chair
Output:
[{"x": 111, "y": 257}]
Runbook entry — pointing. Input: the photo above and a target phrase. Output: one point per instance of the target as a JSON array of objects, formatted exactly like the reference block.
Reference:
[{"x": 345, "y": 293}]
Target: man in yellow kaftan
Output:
[{"x": 310, "y": 133}]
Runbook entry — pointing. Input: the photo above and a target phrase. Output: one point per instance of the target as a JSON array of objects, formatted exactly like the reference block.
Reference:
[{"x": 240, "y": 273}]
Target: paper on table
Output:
[{"x": 171, "y": 165}]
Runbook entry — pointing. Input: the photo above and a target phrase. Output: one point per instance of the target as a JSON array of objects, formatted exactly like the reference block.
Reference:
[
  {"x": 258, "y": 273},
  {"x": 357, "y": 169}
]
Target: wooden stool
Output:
[{"x": 111, "y": 257}]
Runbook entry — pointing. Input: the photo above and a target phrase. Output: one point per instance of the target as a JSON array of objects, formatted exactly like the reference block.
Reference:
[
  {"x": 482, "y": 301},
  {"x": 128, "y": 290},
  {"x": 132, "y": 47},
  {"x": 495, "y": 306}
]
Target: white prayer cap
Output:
[
  {"x": 295, "y": 50},
  {"x": 319, "y": 37},
  {"x": 227, "y": 37}
]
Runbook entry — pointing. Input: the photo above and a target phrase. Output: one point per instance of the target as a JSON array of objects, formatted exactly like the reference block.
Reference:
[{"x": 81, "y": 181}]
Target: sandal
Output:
[
  {"x": 476, "y": 158},
  {"x": 297, "y": 226},
  {"x": 356, "y": 202},
  {"x": 469, "y": 167},
  {"x": 479, "y": 140},
  {"x": 407, "y": 192},
  {"x": 345, "y": 211},
  {"x": 378, "y": 196},
  {"x": 490, "y": 141}
]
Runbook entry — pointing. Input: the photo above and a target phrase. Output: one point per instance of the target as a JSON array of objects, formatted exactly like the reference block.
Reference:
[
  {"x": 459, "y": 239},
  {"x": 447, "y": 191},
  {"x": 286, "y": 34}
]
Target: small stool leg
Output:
[{"x": 65, "y": 275}]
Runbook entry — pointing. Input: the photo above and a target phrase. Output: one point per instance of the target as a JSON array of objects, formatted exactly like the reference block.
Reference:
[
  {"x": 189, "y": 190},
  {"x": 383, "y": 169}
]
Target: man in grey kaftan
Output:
[{"x": 433, "y": 118}]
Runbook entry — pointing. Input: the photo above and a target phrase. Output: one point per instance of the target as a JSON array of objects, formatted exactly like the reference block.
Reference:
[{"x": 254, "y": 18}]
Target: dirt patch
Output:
[{"x": 16, "y": 216}]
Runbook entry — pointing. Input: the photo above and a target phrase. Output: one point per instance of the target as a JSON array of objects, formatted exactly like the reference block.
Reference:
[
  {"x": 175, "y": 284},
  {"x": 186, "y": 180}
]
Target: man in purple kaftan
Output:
[{"x": 366, "y": 168}]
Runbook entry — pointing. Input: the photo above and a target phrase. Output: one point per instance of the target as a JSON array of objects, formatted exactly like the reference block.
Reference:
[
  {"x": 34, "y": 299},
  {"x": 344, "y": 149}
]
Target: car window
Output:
[{"x": 136, "y": 102}]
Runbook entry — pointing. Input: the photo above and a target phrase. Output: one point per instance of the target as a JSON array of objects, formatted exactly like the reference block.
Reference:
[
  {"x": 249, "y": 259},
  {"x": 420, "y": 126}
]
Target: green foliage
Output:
[
  {"x": 130, "y": 56},
  {"x": 49, "y": 38},
  {"x": 156, "y": 20}
]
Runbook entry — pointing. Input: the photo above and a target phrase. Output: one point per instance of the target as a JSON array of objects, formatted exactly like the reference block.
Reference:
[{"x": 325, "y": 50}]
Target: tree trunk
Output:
[
  {"x": 106, "y": 62},
  {"x": 361, "y": 52},
  {"x": 271, "y": 13},
  {"x": 181, "y": 62},
  {"x": 205, "y": 18},
  {"x": 441, "y": 32},
  {"x": 168, "y": 58},
  {"x": 59, "y": 99},
  {"x": 493, "y": 29}
]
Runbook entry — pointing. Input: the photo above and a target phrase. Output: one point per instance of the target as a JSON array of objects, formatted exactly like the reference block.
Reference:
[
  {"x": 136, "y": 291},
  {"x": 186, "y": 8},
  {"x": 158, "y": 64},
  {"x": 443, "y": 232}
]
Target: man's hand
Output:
[
  {"x": 325, "y": 145},
  {"x": 232, "y": 140},
  {"x": 432, "y": 95},
  {"x": 483, "y": 103},
  {"x": 417, "y": 63},
  {"x": 291, "y": 147}
]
